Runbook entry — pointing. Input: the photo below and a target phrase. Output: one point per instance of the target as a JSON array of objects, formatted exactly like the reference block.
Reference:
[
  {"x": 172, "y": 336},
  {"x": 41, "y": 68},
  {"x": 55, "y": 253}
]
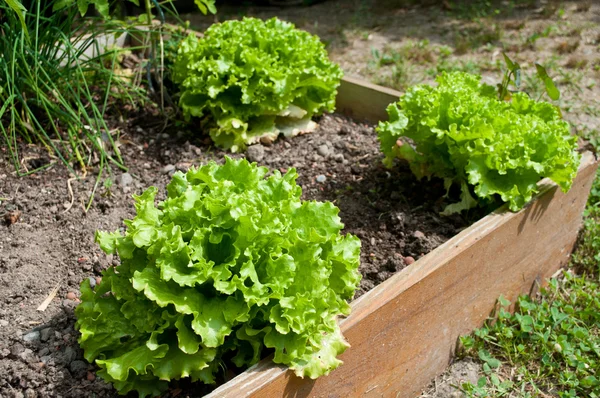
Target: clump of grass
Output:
[{"x": 50, "y": 86}]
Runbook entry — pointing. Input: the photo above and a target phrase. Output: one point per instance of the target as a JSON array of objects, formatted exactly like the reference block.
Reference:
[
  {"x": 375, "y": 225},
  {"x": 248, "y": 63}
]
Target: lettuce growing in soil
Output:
[
  {"x": 255, "y": 79},
  {"x": 461, "y": 132},
  {"x": 232, "y": 263}
]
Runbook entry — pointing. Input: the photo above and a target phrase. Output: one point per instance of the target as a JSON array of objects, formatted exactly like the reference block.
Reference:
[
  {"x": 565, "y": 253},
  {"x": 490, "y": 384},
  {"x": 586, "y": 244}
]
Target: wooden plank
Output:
[
  {"x": 403, "y": 332},
  {"x": 364, "y": 101}
]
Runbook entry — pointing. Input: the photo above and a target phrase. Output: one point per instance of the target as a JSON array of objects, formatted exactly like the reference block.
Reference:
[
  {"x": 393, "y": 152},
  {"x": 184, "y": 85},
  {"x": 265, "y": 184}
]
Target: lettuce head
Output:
[
  {"x": 254, "y": 79},
  {"x": 232, "y": 265},
  {"x": 461, "y": 132}
]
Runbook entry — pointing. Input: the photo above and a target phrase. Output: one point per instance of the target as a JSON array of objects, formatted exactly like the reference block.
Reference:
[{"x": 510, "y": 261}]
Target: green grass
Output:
[{"x": 550, "y": 346}]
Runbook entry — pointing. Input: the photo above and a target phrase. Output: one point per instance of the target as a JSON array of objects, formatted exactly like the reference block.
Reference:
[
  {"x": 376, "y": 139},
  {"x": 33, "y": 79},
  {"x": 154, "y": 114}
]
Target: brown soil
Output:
[{"x": 51, "y": 244}]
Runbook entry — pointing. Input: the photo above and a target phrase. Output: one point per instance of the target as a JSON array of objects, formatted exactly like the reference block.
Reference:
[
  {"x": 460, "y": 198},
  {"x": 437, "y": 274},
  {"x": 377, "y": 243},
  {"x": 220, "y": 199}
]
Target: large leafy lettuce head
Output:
[
  {"x": 461, "y": 132},
  {"x": 231, "y": 263},
  {"x": 255, "y": 79}
]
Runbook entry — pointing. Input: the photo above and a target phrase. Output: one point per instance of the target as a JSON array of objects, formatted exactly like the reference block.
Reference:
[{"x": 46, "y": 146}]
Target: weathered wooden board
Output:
[
  {"x": 403, "y": 332},
  {"x": 364, "y": 101}
]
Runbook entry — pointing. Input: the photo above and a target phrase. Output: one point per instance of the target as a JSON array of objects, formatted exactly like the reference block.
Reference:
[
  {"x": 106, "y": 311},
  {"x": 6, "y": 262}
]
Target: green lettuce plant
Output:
[
  {"x": 255, "y": 79},
  {"x": 461, "y": 132},
  {"x": 232, "y": 263}
]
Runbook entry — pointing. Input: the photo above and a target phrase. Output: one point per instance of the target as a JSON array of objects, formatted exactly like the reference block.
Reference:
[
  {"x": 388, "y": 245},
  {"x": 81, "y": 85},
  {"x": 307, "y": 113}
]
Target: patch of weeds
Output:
[
  {"x": 576, "y": 62},
  {"x": 552, "y": 341},
  {"x": 472, "y": 9},
  {"x": 454, "y": 65},
  {"x": 570, "y": 79},
  {"x": 551, "y": 344},
  {"x": 419, "y": 51},
  {"x": 514, "y": 25},
  {"x": 592, "y": 110},
  {"x": 531, "y": 40},
  {"x": 107, "y": 185},
  {"x": 477, "y": 35},
  {"x": 552, "y": 8},
  {"x": 391, "y": 69},
  {"x": 363, "y": 15},
  {"x": 567, "y": 46},
  {"x": 587, "y": 256}
]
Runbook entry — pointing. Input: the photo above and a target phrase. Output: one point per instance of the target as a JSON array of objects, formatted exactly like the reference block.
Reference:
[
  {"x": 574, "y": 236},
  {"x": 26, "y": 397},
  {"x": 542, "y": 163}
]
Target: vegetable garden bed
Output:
[
  {"x": 404, "y": 332},
  {"x": 51, "y": 244}
]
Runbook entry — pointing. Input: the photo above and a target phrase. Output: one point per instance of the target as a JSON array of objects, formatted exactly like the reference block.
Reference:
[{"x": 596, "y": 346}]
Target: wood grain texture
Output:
[
  {"x": 364, "y": 101},
  {"x": 404, "y": 332}
]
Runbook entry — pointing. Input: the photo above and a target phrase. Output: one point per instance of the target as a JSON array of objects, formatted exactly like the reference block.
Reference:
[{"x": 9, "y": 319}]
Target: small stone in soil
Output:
[
  {"x": 12, "y": 217},
  {"x": 396, "y": 195},
  {"x": 419, "y": 235},
  {"x": 27, "y": 355},
  {"x": 32, "y": 336},
  {"x": 69, "y": 304},
  {"x": 323, "y": 150},
  {"x": 255, "y": 153},
  {"x": 409, "y": 260},
  {"x": 71, "y": 296},
  {"x": 124, "y": 180},
  {"x": 45, "y": 334},
  {"x": 344, "y": 130},
  {"x": 91, "y": 376},
  {"x": 321, "y": 178},
  {"x": 78, "y": 368},
  {"x": 16, "y": 349},
  {"x": 69, "y": 355},
  {"x": 168, "y": 169},
  {"x": 183, "y": 166},
  {"x": 92, "y": 281}
]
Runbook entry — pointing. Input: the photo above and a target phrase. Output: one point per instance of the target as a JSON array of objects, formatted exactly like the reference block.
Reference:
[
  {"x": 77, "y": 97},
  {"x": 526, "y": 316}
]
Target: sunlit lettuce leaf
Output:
[
  {"x": 231, "y": 260},
  {"x": 461, "y": 132},
  {"x": 249, "y": 75}
]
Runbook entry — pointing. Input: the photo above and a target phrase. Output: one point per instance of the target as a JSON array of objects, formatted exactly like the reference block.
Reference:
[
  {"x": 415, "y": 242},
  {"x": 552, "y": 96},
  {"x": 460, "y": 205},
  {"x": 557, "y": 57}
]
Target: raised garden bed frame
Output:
[{"x": 404, "y": 332}]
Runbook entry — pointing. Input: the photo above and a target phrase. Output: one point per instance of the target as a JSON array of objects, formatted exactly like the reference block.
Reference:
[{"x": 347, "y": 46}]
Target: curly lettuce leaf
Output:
[
  {"x": 460, "y": 132},
  {"x": 231, "y": 260}
]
